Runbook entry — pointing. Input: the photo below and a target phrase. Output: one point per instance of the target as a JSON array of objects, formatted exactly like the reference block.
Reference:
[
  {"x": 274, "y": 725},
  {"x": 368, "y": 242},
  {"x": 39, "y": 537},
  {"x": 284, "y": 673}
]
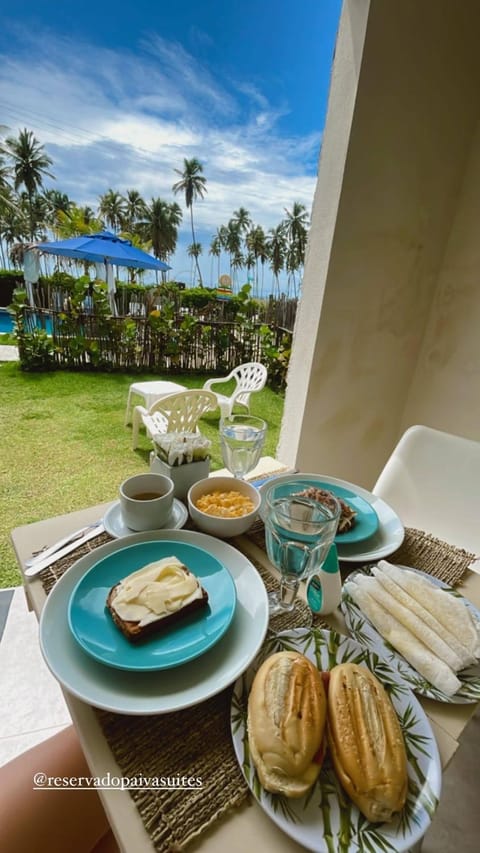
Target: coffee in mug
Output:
[
  {"x": 146, "y": 501},
  {"x": 147, "y": 496}
]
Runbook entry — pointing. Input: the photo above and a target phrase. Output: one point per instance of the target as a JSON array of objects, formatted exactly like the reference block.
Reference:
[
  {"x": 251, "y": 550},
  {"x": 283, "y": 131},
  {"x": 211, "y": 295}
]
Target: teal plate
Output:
[
  {"x": 93, "y": 627},
  {"x": 366, "y": 522}
]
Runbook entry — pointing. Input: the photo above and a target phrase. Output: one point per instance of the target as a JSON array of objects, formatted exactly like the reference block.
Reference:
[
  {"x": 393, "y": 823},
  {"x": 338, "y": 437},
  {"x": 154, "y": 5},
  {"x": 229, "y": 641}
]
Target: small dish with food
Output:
[
  {"x": 223, "y": 506},
  {"x": 358, "y": 521}
]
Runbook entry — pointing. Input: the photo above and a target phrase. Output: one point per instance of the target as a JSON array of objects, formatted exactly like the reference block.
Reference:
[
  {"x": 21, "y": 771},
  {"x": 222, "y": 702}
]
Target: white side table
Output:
[{"x": 150, "y": 392}]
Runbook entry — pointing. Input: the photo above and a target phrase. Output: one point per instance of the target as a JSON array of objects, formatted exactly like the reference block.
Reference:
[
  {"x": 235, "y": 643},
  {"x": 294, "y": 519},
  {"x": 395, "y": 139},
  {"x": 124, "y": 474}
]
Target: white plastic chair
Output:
[
  {"x": 432, "y": 480},
  {"x": 249, "y": 377},
  {"x": 173, "y": 413}
]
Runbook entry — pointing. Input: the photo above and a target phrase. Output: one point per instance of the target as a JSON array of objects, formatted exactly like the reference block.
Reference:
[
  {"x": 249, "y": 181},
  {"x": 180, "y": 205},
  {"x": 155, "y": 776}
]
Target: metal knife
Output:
[
  {"x": 37, "y": 567},
  {"x": 42, "y": 555}
]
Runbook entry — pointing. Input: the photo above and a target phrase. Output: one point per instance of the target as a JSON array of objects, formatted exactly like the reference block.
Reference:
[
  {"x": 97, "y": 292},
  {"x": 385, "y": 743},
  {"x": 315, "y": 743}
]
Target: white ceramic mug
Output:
[{"x": 146, "y": 501}]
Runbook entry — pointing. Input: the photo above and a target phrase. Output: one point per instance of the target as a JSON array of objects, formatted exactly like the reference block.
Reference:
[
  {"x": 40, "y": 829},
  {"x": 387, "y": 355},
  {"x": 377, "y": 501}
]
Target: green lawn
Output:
[{"x": 64, "y": 445}]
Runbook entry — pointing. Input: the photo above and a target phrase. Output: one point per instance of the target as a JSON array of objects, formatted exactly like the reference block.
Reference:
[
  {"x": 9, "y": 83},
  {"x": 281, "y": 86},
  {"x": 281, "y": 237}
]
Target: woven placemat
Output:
[
  {"x": 196, "y": 742},
  {"x": 193, "y": 742},
  {"x": 51, "y": 574},
  {"x": 419, "y": 550}
]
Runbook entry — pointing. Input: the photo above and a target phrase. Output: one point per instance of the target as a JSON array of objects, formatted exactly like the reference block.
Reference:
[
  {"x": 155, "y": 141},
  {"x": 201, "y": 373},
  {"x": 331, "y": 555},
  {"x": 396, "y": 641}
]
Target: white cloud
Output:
[{"x": 123, "y": 119}]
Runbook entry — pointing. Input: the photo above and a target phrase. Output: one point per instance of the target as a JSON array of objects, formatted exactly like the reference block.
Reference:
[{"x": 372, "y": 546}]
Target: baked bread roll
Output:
[
  {"x": 366, "y": 742},
  {"x": 287, "y": 710}
]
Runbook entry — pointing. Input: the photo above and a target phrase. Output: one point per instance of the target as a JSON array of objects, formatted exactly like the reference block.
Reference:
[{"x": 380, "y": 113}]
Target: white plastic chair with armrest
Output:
[
  {"x": 173, "y": 413},
  {"x": 432, "y": 481},
  {"x": 249, "y": 377}
]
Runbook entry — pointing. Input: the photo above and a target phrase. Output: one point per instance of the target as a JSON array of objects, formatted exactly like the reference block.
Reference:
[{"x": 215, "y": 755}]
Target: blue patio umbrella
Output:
[
  {"x": 106, "y": 248},
  {"x": 103, "y": 247}
]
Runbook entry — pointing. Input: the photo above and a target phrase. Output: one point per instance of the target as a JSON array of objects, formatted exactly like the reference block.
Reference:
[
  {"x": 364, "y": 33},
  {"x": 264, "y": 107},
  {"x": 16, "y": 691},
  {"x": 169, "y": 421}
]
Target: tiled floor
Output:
[
  {"x": 8, "y": 353},
  {"x": 32, "y": 706}
]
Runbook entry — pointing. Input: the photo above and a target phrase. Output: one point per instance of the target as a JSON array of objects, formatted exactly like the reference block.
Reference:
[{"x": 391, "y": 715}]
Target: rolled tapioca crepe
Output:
[
  {"x": 427, "y": 618},
  {"x": 418, "y": 656},
  {"x": 450, "y": 611},
  {"x": 409, "y": 620}
]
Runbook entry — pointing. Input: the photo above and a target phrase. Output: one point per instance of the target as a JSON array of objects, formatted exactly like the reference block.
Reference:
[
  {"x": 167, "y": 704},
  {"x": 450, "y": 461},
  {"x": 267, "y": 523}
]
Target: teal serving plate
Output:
[
  {"x": 93, "y": 628},
  {"x": 366, "y": 522}
]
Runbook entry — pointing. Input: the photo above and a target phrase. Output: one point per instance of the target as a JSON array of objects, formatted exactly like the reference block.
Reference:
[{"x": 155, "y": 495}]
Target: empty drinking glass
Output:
[
  {"x": 299, "y": 532},
  {"x": 242, "y": 438}
]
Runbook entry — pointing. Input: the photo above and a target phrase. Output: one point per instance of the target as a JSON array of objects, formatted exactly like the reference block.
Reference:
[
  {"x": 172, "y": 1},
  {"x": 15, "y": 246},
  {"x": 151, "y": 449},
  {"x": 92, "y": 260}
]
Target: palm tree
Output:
[
  {"x": 237, "y": 262},
  {"x": 276, "y": 251},
  {"x": 193, "y": 184},
  {"x": 160, "y": 227},
  {"x": 241, "y": 218},
  {"x": 112, "y": 209},
  {"x": 233, "y": 242},
  {"x": 296, "y": 223},
  {"x": 76, "y": 222},
  {"x": 29, "y": 165},
  {"x": 14, "y": 227},
  {"x": 249, "y": 263},
  {"x": 194, "y": 250},
  {"x": 134, "y": 207},
  {"x": 296, "y": 232},
  {"x": 256, "y": 244},
  {"x": 5, "y": 188},
  {"x": 56, "y": 201},
  {"x": 36, "y": 212},
  {"x": 88, "y": 214},
  {"x": 215, "y": 251},
  {"x": 8, "y": 207}
]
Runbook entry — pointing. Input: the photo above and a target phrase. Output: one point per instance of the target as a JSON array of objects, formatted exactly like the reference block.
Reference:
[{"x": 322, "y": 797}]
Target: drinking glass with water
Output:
[
  {"x": 242, "y": 438},
  {"x": 299, "y": 532}
]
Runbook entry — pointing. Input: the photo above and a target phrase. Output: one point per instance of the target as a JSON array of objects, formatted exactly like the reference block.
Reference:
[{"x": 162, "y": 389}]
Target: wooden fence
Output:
[
  {"x": 274, "y": 311},
  {"x": 89, "y": 341}
]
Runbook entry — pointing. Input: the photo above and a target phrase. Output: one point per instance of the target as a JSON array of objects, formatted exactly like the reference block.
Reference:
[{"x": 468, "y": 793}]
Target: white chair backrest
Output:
[
  {"x": 251, "y": 376},
  {"x": 432, "y": 480},
  {"x": 180, "y": 412}
]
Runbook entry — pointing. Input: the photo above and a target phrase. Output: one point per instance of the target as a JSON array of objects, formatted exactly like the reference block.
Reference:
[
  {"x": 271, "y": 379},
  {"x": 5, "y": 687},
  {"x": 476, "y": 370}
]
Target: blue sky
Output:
[{"x": 120, "y": 93}]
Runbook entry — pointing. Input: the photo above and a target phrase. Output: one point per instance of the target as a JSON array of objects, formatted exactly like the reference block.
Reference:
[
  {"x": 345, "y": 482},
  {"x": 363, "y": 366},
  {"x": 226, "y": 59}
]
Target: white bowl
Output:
[{"x": 217, "y": 525}]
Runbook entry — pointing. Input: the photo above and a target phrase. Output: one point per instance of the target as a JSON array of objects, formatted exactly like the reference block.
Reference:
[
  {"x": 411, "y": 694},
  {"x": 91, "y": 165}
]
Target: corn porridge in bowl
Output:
[{"x": 223, "y": 506}]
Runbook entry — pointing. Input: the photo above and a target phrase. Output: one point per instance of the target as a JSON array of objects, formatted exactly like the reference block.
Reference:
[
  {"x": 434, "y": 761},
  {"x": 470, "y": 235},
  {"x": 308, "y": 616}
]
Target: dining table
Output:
[{"x": 241, "y": 822}]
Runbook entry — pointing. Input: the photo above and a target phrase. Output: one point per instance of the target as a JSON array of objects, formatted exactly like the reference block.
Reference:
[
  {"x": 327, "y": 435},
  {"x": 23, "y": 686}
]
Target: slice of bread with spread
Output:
[{"x": 155, "y": 597}]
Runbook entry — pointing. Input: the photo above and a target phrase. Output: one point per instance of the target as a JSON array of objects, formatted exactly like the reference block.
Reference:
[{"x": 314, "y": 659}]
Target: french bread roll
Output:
[
  {"x": 366, "y": 742},
  {"x": 287, "y": 709}
]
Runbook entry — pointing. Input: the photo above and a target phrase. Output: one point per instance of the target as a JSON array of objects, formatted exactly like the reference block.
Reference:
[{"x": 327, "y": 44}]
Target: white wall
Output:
[
  {"x": 445, "y": 392},
  {"x": 390, "y": 198}
]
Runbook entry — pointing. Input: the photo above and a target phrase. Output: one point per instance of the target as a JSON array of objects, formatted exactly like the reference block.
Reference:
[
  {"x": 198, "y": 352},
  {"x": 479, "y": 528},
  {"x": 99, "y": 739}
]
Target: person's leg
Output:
[{"x": 54, "y": 820}]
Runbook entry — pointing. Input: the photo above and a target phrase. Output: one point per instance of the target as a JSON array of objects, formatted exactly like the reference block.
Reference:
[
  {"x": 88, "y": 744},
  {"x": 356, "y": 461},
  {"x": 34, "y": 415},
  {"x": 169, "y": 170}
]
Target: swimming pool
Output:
[{"x": 6, "y": 322}]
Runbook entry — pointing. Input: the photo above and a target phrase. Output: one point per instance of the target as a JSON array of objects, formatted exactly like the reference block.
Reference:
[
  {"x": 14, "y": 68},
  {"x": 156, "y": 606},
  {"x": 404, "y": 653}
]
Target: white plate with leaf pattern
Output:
[
  {"x": 367, "y": 635},
  {"x": 326, "y": 820}
]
